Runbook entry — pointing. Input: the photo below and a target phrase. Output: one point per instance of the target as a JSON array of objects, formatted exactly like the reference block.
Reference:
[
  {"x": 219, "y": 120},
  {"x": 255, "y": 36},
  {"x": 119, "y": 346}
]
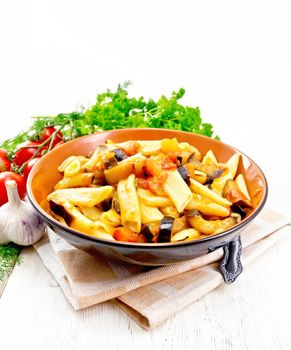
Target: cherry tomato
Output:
[
  {"x": 47, "y": 132},
  {"x": 9, "y": 175},
  {"x": 29, "y": 166},
  {"x": 5, "y": 163},
  {"x": 2, "y": 152},
  {"x": 24, "y": 154}
]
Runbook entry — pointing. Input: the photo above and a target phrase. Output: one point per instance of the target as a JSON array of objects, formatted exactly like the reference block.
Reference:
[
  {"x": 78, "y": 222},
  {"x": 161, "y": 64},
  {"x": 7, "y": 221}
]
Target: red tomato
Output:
[
  {"x": 125, "y": 234},
  {"x": 5, "y": 163},
  {"x": 29, "y": 166},
  {"x": 47, "y": 132},
  {"x": 2, "y": 152},
  {"x": 24, "y": 154},
  {"x": 9, "y": 175},
  {"x": 153, "y": 184}
]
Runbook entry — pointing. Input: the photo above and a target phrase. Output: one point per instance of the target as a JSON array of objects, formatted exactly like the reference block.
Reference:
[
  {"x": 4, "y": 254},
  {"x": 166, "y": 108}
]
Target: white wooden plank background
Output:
[{"x": 253, "y": 313}]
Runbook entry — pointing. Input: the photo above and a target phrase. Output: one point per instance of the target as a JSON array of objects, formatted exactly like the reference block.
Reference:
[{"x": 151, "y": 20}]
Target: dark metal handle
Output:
[{"x": 230, "y": 265}]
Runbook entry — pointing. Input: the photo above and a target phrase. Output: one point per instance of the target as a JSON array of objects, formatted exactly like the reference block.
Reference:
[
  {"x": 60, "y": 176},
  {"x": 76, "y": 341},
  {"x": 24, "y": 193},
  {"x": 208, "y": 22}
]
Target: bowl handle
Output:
[{"x": 231, "y": 266}]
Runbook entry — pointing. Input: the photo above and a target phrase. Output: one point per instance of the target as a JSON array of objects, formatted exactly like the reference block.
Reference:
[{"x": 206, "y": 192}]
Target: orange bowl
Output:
[{"x": 45, "y": 175}]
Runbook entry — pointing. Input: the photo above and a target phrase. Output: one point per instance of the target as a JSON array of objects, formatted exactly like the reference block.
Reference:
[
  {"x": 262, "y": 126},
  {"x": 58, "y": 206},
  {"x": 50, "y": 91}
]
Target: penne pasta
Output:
[
  {"x": 186, "y": 235},
  {"x": 204, "y": 191},
  {"x": 79, "y": 180},
  {"x": 150, "y": 191},
  {"x": 129, "y": 204},
  {"x": 240, "y": 181},
  {"x": 177, "y": 190},
  {"x": 67, "y": 161},
  {"x": 82, "y": 197},
  {"x": 152, "y": 200},
  {"x": 149, "y": 214},
  {"x": 170, "y": 211},
  {"x": 111, "y": 217},
  {"x": 206, "y": 206},
  {"x": 92, "y": 213},
  {"x": 230, "y": 172},
  {"x": 209, "y": 158}
]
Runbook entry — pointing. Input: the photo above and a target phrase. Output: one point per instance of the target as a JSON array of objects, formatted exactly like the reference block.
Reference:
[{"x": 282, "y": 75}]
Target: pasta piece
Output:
[
  {"x": 198, "y": 188},
  {"x": 93, "y": 162},
  {"x": 209, "y": 158},
  {"x": 170, "y": 211},
  {"x": 149, "y": 147},
  {"x": 67, "y": 161},
  {"x": 209, "y": 227},
  {"x": 149, "y": 214},
  {"x": 148, "y": 198},
  {"x": 82, "y": 197},
  {"x": 79, "y": 180},
  {"x": 185, "y": 146},
  {"x": 206, "y": 206},
  {"x": 72, "y": 168},
  {"x": 103, "y": 235},
  {"x": 186, "y": 235},
  {"x": 129, "y": 204},
  {"x": 199, "y": 176},
  {"x": 122, "y": 170},
  {"x": 177, "y": 190},
  {"x": 103, "y": 226},
  {"x": 240, "y": 181},
  {"x": 230, "y": 172},
  {"x": 77, "y": 220},
  {"x": 111, "y": 217},
  {"x": 92, "y": 213}
]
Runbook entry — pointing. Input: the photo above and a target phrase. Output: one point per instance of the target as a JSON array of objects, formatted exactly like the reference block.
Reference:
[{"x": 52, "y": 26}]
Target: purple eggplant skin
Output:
[
  {"x": 115, "y": 205},
  {"x": 60, "y": 211},
  {"x": 147, "y": 232},
  {"x": 212, "y": 171},
  {"x": 165, "y": 229},
  {"x": 120, "y": 154},
  {"x": 239, "y": 209},
  {"x": 111, "y": 162},
  {"x": 106, "y": 204},
  {"x": 183, "y": 171}
]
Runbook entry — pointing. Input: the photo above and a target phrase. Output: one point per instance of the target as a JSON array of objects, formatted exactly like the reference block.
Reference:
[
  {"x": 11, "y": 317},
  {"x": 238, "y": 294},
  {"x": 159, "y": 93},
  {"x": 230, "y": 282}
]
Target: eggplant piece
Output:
[
  {"x": 211, "y": 170},
  {"x": 147, "y": 233},
  {"x": 183, "y": 171},
  {"x": 180, "y": 160},
  {"x": 232, "y": 193},
  {"x": 110, "y": 163},
  {"x": 165, "y": 229},
  {"x": 61, "y": 211},
  {"x": 115, "y": 205},
  {"x": 119, "y": 154},
  {"x": 106, "y": 204},
  {"x": 236, "y": 208}
]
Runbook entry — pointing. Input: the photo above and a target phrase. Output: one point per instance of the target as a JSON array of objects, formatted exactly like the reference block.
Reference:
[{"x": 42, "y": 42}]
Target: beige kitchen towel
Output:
[{"x": 148, "y": 295}]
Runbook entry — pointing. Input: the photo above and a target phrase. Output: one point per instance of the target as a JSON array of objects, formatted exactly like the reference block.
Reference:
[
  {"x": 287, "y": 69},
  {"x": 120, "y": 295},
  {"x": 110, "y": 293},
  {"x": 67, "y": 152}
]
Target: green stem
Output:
[{"x": 49, "y": 140}]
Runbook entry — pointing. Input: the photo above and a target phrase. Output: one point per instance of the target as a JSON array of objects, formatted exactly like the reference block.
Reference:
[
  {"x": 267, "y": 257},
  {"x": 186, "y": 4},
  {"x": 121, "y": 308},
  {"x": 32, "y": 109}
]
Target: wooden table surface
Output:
[{"x": 234, "y": 60}]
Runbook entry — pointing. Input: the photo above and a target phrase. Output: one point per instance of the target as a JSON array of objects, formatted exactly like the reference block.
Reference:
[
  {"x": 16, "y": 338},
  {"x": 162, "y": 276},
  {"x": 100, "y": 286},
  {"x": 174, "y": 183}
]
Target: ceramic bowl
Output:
[{"x": 45, "y": 175}]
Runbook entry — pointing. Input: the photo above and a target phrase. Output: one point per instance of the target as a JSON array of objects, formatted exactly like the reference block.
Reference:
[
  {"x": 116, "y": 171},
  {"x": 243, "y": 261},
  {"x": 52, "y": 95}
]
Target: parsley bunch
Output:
[{"x": 116, "y": 110}]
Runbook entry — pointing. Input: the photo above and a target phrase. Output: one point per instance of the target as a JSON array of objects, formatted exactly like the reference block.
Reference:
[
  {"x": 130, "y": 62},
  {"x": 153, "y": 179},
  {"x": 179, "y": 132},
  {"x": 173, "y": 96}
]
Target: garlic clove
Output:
[{"x": 20, "y": 224}]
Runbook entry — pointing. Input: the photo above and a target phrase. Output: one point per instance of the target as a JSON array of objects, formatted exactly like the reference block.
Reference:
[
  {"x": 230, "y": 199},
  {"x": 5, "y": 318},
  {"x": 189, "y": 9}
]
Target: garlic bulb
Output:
[
  {"x": 3, "y": 238},
  {"x": 18, "y": 221}
]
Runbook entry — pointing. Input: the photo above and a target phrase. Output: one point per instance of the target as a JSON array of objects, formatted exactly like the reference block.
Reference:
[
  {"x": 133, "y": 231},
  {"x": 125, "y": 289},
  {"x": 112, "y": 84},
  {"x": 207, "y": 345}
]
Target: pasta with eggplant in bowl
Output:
[{"x": 147, "y": 196}]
